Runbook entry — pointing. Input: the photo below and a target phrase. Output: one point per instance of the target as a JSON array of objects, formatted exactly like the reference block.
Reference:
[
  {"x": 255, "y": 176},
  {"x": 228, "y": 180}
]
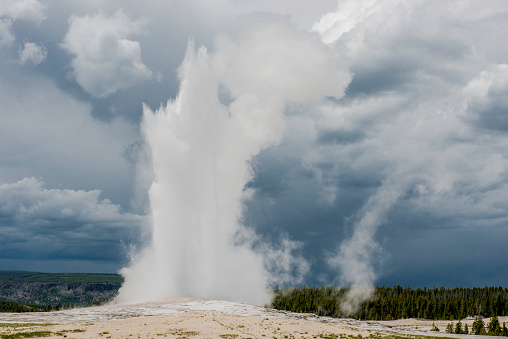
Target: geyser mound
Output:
[{"x": 201, "y": 150}]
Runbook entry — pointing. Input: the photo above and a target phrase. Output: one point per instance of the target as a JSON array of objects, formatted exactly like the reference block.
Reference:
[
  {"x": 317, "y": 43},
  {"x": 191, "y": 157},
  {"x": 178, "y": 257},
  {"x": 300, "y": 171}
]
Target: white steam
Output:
[
  {"x": 201, "y": 150},
  {"x": 354, "y": 257}
]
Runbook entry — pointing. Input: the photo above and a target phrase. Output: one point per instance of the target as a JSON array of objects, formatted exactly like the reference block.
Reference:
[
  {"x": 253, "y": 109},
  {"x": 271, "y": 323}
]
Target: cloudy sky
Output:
[{"x": 391, "y": 168}]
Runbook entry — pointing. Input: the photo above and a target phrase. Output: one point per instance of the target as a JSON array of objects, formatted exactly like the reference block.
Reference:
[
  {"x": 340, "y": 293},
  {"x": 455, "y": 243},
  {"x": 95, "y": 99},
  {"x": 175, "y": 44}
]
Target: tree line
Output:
[
  {"x": 10, "y": 306},
  {"x": 398, "y": 302},
  {"x": 14, "y": 307}
]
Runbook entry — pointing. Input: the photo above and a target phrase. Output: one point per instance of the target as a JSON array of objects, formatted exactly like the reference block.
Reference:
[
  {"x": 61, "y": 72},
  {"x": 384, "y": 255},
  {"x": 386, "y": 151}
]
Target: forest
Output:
[
  {"x": 22, "y": 291},
  {"x": 398, "y": 302},
  {"x": 10, "y": 306}
]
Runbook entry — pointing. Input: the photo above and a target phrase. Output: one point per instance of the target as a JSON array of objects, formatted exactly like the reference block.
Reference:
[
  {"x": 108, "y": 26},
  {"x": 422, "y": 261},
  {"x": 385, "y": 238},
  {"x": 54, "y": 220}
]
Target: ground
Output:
[{"x": 191, "y": 318}]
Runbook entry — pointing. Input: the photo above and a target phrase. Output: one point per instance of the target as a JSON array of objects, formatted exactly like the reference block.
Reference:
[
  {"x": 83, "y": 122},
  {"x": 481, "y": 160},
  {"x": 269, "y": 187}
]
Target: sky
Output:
[{"x": 396, "y": 174}]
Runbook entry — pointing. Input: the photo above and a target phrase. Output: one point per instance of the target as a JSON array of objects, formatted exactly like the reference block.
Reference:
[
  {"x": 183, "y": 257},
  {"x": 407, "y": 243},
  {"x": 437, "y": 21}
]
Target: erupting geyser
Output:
[{"x": 201, "y": 150}]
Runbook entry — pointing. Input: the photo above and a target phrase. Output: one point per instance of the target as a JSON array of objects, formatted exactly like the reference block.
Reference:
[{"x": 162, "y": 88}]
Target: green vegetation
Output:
[
  {"x": 12, "y": 307},
  {"x": 9, "y": 306},
  {"x": 493, "y": 328},
  {"x": 11, "y": 277},
  {"x": 478, "y": 327},
  {"x": 22, "y": 291},
  {"x": 34, "y": 334},
  {"x": 397, "y": 302},
  {"x": 17, "y": 325},
  {"x": 26, "y": 335},
  {"x": 183, "y": 334}
]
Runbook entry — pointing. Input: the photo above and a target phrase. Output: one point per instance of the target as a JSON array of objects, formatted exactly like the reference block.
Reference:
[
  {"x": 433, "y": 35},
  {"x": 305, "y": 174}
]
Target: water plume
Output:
[{"x": 201, "y": 149}]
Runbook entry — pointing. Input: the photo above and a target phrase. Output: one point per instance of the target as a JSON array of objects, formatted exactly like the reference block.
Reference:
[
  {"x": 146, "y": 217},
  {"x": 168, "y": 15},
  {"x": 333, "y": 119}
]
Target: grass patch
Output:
[
  {"x": 183, "y": 334},
  {"x": 36, "y": 334},
  {"x": 329, "y": 336},
  {"x": 77, "y": 330},
  {"x": 17, "y": 325}
]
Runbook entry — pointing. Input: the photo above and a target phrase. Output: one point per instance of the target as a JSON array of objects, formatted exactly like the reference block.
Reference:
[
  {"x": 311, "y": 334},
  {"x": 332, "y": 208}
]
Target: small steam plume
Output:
[
  {"x": 201, "y": 150},
  {"x": 355, "y": 255}
]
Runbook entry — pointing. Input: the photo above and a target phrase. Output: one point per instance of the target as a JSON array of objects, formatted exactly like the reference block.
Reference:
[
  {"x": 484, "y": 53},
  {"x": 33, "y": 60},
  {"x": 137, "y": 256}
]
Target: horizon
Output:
[{"x": 287, "y": 287}]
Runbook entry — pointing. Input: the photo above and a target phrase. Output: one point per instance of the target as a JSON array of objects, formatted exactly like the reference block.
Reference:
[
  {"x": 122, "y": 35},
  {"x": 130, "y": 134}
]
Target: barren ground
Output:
[{"x": 192, "y": 318}]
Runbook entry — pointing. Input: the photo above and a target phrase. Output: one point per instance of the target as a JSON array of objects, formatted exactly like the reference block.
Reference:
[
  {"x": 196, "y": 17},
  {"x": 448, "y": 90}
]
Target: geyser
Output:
[{"x": 201, "y": 150}]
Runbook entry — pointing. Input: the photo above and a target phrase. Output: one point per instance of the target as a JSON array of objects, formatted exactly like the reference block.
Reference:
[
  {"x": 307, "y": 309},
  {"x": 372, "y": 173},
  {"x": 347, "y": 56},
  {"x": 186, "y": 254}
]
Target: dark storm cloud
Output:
[
  {"x": 397, "y": 61},
  {"x": 473, "y": 254},
  {"x": 489, "y": 103},
  {"x": 40, "y": 223},
  {"x": 415, "y": 122},
  {"x": 340, "y": 137}
]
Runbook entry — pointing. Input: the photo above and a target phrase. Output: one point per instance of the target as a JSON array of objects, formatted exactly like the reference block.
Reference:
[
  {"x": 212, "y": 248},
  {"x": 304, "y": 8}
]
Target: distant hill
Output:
[
  {"x": 9, "y": 277},
  {"x": 58, "y": 289}
]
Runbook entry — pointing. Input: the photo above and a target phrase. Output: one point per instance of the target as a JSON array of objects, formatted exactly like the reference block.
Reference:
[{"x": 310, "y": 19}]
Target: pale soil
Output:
[
  {"x": 188, "y": 318},
  {"x": 426, "y": 325}
]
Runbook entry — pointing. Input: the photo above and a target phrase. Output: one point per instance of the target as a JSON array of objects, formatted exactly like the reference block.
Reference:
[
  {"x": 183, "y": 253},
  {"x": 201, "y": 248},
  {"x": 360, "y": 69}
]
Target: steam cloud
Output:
[
  {"x": 230, "y": 107},
  {"x": 354, "y": 258}
]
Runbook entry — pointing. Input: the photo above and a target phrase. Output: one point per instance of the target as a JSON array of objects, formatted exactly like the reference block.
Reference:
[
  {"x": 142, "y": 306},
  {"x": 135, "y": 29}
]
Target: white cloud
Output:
[
  {"x": 32, "y": 53},
  {"x": 105, "y": 61},
  {"x": 39, "y": 223},
  {"x": 12, "y": 10},
  {"x": 351, "y": 14},
  {"x": 22, "y": 9},
  {"x": 27, "y": 202}
]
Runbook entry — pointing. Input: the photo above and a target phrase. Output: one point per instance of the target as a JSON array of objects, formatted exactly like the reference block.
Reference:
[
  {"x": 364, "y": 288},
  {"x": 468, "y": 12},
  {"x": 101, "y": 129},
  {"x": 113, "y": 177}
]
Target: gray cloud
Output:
[
  {"x": 52, "y": 136},
  {"x": 417, "y": 121},
  {"x": 32, "y": 53},
  {"x": 105, "y": 61},
  {"x": 489, "y": 99},
  {"x": 39, "y": 223},
  {"x": 12, "y": 10}
]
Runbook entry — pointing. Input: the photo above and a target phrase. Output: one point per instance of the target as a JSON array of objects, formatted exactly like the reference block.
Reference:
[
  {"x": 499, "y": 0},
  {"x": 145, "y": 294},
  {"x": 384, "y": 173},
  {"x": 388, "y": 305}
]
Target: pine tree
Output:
[
  {"x": 449, "y": 328},
  {"x": 504, "y": 330},
  {"x": 466, "y": 329},
  {"x": 493, "y": 327},
  {"x": 478, "y": 326},
  {"x": 398, "y": 302},
  {"x": 458, "y": 328}
]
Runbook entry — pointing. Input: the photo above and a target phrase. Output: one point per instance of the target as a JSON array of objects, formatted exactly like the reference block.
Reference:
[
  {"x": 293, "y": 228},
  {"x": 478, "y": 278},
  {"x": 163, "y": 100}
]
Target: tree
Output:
[
  {"x": 458, "y": 328},
  {"x": 466, "y": 329},
  {"x": 478, "y": 326},
  {"x": 449, "y": 328},
  {"x": 493, "y": 327},
  {"x": 399, "y": 302},
  {"x": 436, "y": 329},
  {"x": 504, "y": 330}
]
